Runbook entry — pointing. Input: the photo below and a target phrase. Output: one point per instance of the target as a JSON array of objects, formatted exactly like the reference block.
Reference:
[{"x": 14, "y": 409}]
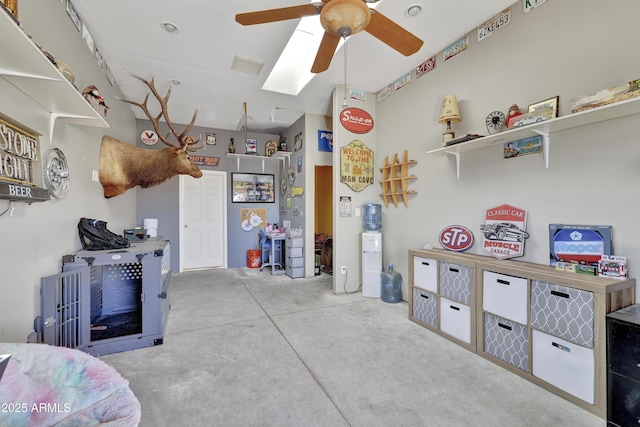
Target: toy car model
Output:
[{"x": 503, "y": 231}]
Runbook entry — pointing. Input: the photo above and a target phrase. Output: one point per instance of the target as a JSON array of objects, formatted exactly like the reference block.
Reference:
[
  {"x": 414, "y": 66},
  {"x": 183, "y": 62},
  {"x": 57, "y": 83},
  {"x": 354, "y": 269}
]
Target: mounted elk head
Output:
[{"x": 123, "y": 166}]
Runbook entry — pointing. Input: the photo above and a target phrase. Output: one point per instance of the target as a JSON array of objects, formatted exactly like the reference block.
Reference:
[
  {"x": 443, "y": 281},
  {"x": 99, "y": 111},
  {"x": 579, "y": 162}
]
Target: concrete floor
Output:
[{"x": 243, "y": 348}]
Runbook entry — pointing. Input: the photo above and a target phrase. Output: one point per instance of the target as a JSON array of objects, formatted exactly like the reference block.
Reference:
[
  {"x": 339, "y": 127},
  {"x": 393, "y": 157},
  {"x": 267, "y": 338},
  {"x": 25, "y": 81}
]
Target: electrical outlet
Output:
[{"x": 343, "y": 269}]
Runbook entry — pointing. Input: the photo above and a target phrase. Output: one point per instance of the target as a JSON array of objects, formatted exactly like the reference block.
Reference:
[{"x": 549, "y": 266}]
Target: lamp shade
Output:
[
  {"x": 344, "y": 17},
  {"x": 449, "y": 111}
]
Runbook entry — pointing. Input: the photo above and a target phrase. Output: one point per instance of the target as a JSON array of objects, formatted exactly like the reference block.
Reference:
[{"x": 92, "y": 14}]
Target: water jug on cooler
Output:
[
  {"x": 391, "y": 285},
  {"x": 372, "y": 217}
]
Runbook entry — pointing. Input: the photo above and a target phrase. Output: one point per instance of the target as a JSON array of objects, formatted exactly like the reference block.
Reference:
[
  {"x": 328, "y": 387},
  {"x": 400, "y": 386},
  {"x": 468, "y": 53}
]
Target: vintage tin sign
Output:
[
  {"x": 528, "y": 5},
  {"x": 522, "y": 147},
  {"x": 356, "y": 120},
  {"x": 494, "y": 24},
  {"x": 504, "y": 231},
  {"x": 402, "y": 82},
  {"x": 384, "y": 92},
  {"x": 578, "y": 244},
  {"x": 456, "y": 48},
  {"x": 149, "y": 137},
  {"x": 356, "y": 165},
  {"x": 426, "y": 66},
  {"x": 456, "y": 238}
]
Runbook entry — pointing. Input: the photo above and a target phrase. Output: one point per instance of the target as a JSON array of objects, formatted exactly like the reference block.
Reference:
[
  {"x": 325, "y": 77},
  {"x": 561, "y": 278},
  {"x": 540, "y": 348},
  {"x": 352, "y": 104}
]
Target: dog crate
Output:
[{"x": 108, "y": 301}]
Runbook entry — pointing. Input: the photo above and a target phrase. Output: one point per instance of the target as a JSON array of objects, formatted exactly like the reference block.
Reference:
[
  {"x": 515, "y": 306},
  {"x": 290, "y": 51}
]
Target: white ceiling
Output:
[{"x": 128, "y": 34}]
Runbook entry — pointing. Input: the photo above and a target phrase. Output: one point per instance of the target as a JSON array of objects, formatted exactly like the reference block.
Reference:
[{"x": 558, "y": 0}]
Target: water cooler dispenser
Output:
[{"x": 371, "y": 249}]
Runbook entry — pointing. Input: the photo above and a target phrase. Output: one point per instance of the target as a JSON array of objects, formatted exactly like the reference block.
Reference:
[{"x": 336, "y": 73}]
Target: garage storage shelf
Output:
[
  {"x": 545, "y": 325},
  {"x": 545, "y": 128},
  {"x": 24, "y": 65}
]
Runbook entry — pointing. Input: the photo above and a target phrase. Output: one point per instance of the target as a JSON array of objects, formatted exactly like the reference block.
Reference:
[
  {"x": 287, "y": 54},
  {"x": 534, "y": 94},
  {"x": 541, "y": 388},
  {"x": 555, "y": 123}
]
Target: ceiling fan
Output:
[{"x": 340, "y": 19}]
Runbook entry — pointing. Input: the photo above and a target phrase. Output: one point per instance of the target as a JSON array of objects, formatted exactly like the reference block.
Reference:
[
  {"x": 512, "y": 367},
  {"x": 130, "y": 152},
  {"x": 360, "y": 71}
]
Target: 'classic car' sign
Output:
[{"x": 504, "y": 231}]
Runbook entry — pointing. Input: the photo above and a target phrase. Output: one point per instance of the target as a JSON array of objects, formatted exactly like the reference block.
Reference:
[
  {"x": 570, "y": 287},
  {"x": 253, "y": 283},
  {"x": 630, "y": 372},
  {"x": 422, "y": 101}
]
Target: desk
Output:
[{"x": 276, "y": 256}]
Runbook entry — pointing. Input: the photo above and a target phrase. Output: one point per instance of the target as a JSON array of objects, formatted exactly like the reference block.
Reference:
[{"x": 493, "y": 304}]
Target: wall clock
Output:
[{"x": 495, "y": 122}]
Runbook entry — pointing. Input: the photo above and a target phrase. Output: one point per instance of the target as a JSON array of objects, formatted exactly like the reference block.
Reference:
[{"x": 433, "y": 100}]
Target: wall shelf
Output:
[
  {"x": 545, "y": 128},
  {"x": 24, "y": 66},
  {"x": 280, "y": 155},
  {"x": 395, "y": 180}
]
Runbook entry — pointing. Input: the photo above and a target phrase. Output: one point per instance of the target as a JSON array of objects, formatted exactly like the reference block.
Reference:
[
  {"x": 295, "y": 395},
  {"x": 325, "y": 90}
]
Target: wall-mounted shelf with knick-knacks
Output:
[{"x": 395, "y": 179}]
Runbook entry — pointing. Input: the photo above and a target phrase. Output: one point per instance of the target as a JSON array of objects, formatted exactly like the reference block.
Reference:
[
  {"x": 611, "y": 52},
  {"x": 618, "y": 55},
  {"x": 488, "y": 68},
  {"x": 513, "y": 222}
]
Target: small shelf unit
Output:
[
  {"x": 395, "y": 180},
  {"x": 545, "y": 128}
]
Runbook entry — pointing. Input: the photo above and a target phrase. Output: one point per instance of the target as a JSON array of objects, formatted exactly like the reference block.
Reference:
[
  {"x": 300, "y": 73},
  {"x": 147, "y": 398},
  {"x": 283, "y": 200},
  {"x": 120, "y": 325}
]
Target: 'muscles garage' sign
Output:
[{"x": 19, "y": 163}]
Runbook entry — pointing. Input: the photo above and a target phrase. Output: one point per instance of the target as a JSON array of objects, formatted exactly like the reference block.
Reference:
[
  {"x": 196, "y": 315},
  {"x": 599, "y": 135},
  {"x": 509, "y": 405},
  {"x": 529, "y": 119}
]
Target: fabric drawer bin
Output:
[
  {"x": 295, "y": 262},
  {"x": 455, "y": 319},
  {"x": 295, "y": 242},
  {"x": 563, "y": 312},
  {"x": 425, "y": 307},
  {"x": 507, "y": 340},
  {"x": 505, "y": 296},
  {"x": 564, "y": 365},
  {"x": 455, "y": 282},
  {"x": 294, "y": 252},
  {"x": 425, "y": 273},
  {"x": 294, "y": 272}
]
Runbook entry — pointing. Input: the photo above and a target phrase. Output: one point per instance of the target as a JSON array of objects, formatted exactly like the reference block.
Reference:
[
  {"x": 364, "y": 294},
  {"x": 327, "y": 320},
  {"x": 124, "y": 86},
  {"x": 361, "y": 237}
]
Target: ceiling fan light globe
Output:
[{"x": 340, "y": 17}]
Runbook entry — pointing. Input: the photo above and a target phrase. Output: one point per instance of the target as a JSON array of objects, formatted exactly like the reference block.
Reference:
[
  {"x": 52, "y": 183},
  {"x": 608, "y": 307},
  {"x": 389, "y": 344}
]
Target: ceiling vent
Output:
[{"x": 246, "y": 65}]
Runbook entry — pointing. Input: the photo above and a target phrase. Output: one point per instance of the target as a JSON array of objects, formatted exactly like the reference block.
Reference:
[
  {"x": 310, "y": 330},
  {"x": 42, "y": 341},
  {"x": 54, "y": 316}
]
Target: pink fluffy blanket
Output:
[{"x": 56, "y": 386}]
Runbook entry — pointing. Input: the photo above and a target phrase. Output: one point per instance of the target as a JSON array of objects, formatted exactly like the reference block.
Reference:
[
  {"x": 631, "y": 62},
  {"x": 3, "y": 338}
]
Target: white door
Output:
[{"x": 203, "y": 220}]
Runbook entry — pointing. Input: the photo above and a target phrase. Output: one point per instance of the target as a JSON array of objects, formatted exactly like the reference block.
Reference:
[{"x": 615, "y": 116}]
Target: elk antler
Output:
[{"x": 189, "y": 143}]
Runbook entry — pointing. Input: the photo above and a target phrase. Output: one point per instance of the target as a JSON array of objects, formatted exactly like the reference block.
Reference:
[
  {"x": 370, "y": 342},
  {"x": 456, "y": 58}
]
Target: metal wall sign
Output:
[
  {"x": 20, "y": 173},
  {"x": 356, "y": 165},
  {"x": 504, "y": 231}
]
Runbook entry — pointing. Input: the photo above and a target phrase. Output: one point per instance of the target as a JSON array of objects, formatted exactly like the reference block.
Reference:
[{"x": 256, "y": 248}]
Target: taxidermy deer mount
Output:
[{"x": 123, "y": 166}]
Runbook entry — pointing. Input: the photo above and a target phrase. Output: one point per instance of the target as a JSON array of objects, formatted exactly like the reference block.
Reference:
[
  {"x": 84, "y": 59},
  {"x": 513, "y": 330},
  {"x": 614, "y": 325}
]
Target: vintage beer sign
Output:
[
  {"x": 504, "y": 231},
  {"x": 356, "y": 165},
  {"x": 356, "y": 120},
  {"x": 20, "y": 170}
]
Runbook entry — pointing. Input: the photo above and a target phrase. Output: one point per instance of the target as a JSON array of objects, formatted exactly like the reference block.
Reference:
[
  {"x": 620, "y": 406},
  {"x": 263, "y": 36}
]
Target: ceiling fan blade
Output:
[
  {"x": 387, "y": 31},
  {"x": 282, "y": 14},
  {"x": 325, "y": 53}
]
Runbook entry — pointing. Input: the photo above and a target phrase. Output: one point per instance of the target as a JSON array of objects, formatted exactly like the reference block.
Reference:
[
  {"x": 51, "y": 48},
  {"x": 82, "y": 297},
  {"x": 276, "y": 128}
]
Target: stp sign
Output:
[{"x": 456, "y": 238}]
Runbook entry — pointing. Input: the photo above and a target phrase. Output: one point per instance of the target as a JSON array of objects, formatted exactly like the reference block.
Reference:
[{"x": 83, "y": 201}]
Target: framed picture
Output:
[
  {"x": 546, "y": 104},
  {"x": 211, "y": 139},
  {"x": 11, "y": 6},
  {"x": 252, "y": 188},
  {"x": 252, "y": 146}
]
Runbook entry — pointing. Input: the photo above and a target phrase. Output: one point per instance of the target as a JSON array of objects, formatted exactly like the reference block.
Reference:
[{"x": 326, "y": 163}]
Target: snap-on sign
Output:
[
  {"x": 356, "y": 120},
  {"x": 456, "y": 238}
]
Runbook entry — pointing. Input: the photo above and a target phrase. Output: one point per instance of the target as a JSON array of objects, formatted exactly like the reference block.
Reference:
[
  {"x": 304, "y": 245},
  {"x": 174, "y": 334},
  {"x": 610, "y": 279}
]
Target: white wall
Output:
[
  {"x": 36, "y": 237},
  {"x": 566, "y": 48}
]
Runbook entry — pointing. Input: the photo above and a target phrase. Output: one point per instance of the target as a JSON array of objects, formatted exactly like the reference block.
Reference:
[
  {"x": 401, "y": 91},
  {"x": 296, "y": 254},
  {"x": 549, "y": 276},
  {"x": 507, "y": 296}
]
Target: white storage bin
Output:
[
  {"x": 425, "y": 307},
  {"x": 505, "y": 296},
  {"x": 425, "y": 273},
  {"x": 455, "y": 319},
  {"x": 294, "y": 252},
  {"x": 564, "y": 365},
  {"x": 295, "y": 242},
  {"x": 295, "y": 262},
  {"x": 295, "y": 272},
  {"x": 455, "y": 282}
]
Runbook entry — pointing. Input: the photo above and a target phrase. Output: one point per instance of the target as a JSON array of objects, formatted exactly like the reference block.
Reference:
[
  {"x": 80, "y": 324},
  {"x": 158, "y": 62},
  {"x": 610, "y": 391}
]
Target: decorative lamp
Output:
[
  {"x": 345, "y": 17},
  {"x": 449, "y": 113}
]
